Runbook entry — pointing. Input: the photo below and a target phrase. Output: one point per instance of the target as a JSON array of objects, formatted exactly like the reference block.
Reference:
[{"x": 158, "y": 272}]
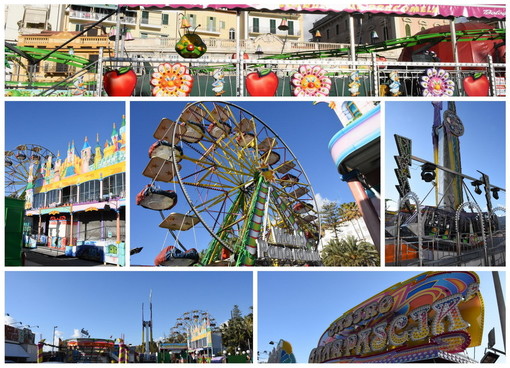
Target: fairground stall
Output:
[
  {"x": 257, "y": 50},
  {"x": 431, "y": 318},
  {"x": 76, "y": 204}
]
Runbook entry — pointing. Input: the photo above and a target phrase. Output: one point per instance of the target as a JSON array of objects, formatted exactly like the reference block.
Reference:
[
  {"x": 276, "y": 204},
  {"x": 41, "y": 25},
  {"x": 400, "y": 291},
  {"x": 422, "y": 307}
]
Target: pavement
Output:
[{"x": 44, "y": 256}]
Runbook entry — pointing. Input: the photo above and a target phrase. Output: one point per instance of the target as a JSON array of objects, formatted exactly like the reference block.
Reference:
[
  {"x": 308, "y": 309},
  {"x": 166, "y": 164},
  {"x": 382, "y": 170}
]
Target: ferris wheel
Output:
[
  {"x": 242, "y": 183},
  {"x": 17, "y": 167},
  {"x": 190, "y": 321}
]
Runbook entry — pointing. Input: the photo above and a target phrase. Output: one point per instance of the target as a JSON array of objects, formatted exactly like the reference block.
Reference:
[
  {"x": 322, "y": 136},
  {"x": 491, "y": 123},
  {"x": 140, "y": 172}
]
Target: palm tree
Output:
[
  {"x": 350, "y": 211},
  {"x": 350, "y": 252}
]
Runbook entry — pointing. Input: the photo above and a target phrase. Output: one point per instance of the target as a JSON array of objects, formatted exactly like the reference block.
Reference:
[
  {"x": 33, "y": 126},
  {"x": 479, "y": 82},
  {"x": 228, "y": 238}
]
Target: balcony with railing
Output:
[
  {"x": 95, "y": 16},
  {"x": 55, "y": 40},
  {"x": 269, "y": 44}
]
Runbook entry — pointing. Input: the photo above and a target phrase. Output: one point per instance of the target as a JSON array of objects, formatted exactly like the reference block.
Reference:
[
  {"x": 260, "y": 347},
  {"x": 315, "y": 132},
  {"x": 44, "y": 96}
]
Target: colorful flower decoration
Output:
[
  {"x": 172, "y": 80},
  {"x": 437, "y": 83},
  {"x": 310, "y": 81}
]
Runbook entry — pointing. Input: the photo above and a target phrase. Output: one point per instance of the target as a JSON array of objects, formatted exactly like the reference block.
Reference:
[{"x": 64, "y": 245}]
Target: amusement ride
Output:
[
  {"x": 242, "y": 184},
  {"x": 18, "y": 162}
]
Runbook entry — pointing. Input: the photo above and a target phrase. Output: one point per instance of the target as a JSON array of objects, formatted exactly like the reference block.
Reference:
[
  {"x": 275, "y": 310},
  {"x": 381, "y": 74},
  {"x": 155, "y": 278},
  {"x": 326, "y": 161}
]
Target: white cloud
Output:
[
  {"x": 8, "y": 320},
  {"x": 321, "y": 201},
  {"x": 76, "y": 333}
]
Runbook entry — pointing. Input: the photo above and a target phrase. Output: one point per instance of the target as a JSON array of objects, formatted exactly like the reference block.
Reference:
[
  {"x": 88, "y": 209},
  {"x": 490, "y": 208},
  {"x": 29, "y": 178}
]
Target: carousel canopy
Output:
[{"x": 418, "y": 10}]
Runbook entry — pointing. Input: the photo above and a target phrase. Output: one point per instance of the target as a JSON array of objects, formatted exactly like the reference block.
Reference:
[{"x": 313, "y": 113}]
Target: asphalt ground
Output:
[{"x": 47, "y": 257}]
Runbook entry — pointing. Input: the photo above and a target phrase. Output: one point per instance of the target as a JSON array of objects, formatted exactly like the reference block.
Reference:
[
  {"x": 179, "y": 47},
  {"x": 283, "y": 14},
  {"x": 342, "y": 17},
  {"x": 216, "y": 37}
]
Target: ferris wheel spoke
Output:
[{"x": 211, "y": 202}]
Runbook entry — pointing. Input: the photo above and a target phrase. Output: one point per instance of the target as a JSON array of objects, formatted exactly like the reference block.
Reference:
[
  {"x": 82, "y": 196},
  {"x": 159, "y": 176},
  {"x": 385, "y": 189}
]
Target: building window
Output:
[
  {"x": 164, "y": 19},
  {"x": 291, "y": 27},
  {"x": 327, "y": 34},
  {"x": 231, "y": 34},
  {"x": 144, "y": 35},
  {"x": 256, "y": 27},
  {"x": 192, "y": 20},
  {"x": 422, "y": 28},
  {"x": 350, "y": 110},
  {"x": 114, "y": 186},
  {"x": 90, "y": 191},
  {"x": 222, "y": 25},
  {"x": 39, "y": 200},
  {"x": 337, "y": 29},
  {"x": 408, "y": 30},
  {"x": 53, "y": 197},
  {"x": 145, "y": 17},
  {"x": 70, "y": 194},
  {"x": 61, "y": 68},
  {"x": 211, "y": 24},
  {"x": 272, "y": 25}
]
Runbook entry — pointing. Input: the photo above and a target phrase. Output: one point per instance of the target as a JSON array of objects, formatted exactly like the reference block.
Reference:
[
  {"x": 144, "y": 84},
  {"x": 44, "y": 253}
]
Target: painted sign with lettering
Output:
[{"x": 430, "y": 314}]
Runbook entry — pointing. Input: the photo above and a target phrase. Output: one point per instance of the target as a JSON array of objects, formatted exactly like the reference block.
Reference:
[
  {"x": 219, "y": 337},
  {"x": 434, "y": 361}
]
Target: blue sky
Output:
[
  {"x": 109, "y": 303},
  {"x": 306, "y": 128},
  {"x": 482, "y": 145},
  {"x": 300, "y": 306},
  {"x": 52, "y": 124}
]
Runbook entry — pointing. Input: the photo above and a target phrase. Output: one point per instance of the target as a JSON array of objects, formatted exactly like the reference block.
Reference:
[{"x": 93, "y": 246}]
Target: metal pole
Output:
[
  {"x": 501, "y": 305},
  {"x": 352, "y": 40},
  {"x": 238, "y": 55},
  {"x": 455, "y": 52},
  {"x": 492, "y": 76},
  {"x": 99, "y": 79},
  {"x": 53, "y": 341}
]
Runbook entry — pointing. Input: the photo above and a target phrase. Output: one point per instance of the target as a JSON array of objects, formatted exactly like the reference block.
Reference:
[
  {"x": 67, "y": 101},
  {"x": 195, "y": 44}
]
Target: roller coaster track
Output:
[
  {"x": 462, "y": 36},
  {"x": 32, "y": 53}
]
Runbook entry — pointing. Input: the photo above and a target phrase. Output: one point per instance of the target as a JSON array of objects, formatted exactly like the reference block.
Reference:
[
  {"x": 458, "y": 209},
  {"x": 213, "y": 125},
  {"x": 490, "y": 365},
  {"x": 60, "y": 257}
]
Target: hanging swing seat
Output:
[
  {"x": 171, "y": 256},
  {"x": 300, "y": 191},
  {"x": 178, "y": 221},
  {"x": 309, "y": 218},
  {"x": 193, "y": 114},
  {"x": 166, "y": 151},
  {"x": 194, "y": 132},
  {"x": 245, "y": 139},
  {"x": 270, "y": 158},
  {"x": 289, "y": 180},
  {"x": 267, "y": 144},
  {"x": 218, "y": 129},
  {"x": 220, "y": 113},
  {"x": 156, "y": 199},
  {"x": 160, "y": 170},
  {"x": 302, "y": 207},
  {"x": 165, "y": 131},
  {"x": 286, "y": 167},
  {"x": 245, "y": 126}
]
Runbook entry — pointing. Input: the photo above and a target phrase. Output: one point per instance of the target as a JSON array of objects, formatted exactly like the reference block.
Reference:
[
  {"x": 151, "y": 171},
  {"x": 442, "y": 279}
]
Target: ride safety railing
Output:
[{"x": 281, "y": 78}]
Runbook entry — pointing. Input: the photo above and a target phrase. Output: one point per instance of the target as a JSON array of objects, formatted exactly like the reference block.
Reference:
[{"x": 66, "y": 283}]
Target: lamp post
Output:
[{"x": 53, "y": 341}]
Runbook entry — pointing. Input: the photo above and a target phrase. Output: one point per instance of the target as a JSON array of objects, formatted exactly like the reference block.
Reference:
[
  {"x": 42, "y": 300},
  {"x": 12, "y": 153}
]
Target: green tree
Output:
[
  {"x": 237, "y": 332},
  {"x": 349, "y": 252},
  {"x": 331, "y": 217},
  {"x": 350, "y": 212}
]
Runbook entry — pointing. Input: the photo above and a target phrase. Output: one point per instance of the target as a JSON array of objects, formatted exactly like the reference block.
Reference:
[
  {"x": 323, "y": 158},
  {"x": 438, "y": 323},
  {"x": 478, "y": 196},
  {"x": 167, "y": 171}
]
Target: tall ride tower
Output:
[
  {"x": 147, "y": 337},
  {"x": 445, "y": 138}
]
